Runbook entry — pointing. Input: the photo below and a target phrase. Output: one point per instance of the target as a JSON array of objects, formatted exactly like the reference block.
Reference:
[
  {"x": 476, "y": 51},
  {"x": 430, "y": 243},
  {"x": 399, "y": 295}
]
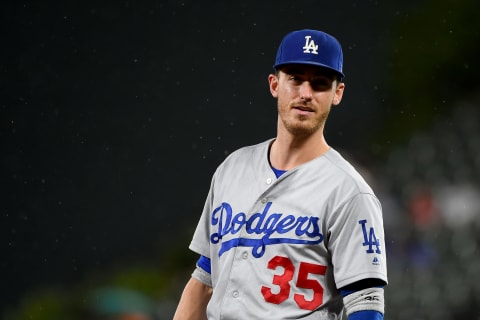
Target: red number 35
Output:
[{"x": 283, "y": 282}]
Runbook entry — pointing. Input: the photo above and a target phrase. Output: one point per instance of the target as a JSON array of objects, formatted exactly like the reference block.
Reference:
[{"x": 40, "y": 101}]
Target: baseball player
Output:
[{"x": 290, "y": 230}]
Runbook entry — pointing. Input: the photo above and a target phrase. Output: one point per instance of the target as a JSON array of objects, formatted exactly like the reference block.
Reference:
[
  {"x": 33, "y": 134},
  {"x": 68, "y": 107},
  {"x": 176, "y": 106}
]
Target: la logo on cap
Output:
[{"x": 310, "y": 46}]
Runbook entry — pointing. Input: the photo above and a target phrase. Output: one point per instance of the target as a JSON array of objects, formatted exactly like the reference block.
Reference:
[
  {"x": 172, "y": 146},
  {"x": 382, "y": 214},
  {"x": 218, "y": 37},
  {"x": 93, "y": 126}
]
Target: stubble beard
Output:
[{"x": 302, "y": 126}]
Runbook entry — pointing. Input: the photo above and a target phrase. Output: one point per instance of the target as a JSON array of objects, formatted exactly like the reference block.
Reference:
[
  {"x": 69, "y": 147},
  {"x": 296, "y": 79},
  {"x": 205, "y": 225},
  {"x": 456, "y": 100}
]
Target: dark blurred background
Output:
[{"x": 115, "y": 114}]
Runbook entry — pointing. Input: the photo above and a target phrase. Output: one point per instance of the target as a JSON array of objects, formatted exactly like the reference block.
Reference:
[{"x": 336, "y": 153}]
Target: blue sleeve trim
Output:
[
  {"x": 345, "y": 293},
  {"x": 366, "y": 315},
  {"x": 204, "y": 263}
]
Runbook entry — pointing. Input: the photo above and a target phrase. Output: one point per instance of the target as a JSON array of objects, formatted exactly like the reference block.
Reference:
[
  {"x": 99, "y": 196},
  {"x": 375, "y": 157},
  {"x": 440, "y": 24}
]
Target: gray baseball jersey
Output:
[{"x": 281, "y": 248}]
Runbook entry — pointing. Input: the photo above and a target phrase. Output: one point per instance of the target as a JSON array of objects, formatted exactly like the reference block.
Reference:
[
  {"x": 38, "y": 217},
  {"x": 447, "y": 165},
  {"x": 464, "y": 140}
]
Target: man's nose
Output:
[{"x": 306, "y": 91}]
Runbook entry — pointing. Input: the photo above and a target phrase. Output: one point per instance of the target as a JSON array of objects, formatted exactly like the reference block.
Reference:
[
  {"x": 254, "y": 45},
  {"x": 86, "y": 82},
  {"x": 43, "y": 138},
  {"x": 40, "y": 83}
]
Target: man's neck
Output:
[{"x": 288, "y": 152}]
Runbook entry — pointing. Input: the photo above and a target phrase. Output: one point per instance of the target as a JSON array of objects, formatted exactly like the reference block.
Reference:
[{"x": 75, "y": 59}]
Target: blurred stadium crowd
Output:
[{"x": 432, "y": 221}]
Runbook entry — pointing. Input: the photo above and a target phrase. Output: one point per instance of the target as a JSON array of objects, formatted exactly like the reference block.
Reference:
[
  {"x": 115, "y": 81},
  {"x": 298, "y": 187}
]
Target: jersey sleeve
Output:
[
  {"x": 356, "y": 240},
  {"x": 201, "y": 238}
]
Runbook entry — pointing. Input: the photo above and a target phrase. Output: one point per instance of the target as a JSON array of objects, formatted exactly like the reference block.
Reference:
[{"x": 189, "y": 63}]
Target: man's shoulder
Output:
[
  {"x": 255, "y": 150},
  {"x": 347, "y": 172}
]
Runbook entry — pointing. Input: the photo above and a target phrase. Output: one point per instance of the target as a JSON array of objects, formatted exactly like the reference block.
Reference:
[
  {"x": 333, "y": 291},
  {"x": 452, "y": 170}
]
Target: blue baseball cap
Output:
[{"x": 310, "y": 47}]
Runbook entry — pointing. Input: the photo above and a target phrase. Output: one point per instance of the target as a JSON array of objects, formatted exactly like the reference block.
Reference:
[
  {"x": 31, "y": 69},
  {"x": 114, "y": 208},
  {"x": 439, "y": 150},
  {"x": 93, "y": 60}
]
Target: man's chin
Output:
[{"x": 301, "y": 130}]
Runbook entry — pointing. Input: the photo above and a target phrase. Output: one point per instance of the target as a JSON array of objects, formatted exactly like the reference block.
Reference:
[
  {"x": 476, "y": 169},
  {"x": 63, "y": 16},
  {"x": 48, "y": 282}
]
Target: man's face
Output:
[{"x": 305, "y": 95}]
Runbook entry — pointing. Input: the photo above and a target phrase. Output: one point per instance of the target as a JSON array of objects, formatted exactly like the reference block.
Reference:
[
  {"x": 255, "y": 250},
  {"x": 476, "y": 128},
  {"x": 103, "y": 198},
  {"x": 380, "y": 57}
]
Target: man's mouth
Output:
[{"x": 303, "y": 110}]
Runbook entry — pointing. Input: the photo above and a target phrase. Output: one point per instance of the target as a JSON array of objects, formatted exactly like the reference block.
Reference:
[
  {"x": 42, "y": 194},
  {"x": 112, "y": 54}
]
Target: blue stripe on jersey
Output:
[
  {"x": 204, "y": 263},
  {"x": 366, "y": 315}
]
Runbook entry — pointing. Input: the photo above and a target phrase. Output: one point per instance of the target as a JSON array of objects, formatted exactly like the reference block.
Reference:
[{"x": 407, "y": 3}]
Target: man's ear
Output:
[
  {"x": 273, "y": 84},
  {"x": 337, "y": 98}
]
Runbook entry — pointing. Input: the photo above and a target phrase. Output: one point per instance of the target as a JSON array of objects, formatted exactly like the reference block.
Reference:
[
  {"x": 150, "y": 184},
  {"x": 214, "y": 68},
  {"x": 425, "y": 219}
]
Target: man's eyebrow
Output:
[{"x": 324, "y": 73}]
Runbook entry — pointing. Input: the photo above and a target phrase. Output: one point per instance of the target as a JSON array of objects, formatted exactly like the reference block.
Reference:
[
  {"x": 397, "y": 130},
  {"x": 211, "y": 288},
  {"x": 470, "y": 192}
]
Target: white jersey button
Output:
[
  {"x": 235, "y": 294},
  {"x": 264, "y": 200},
  {"x": 269, "y": 180},
  {"x": 245, "y": 255}
]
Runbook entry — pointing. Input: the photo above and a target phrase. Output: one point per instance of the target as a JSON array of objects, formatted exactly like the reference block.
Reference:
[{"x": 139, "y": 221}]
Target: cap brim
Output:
[{"x": 310, "y": 63}]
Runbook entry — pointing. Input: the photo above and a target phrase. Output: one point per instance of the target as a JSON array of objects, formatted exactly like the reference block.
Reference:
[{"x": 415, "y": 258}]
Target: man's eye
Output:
[
  {"x": 294, "y": 78},
  {"x": 322, "y": 84}
]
